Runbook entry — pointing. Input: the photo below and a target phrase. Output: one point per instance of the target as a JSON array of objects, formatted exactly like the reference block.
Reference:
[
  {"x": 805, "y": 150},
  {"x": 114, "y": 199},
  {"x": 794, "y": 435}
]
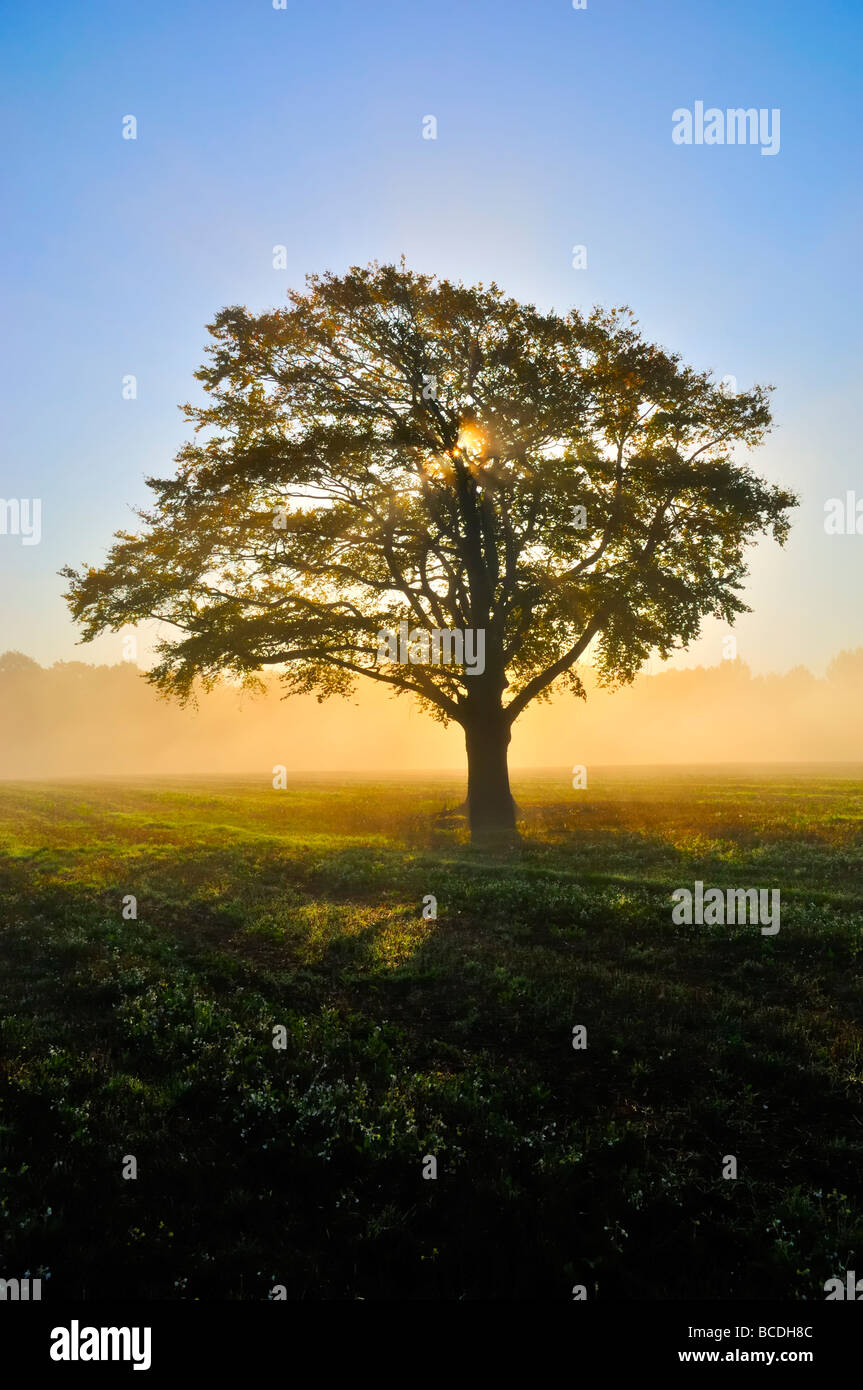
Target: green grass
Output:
[{"x": 408, "y": 1037}]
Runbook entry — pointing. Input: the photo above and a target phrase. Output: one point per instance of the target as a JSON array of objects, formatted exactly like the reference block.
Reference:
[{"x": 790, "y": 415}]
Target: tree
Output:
[{"x": 391, "y": 447}]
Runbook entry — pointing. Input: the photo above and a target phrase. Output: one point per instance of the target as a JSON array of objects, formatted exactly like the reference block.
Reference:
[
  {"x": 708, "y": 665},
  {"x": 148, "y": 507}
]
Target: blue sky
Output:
[{"x": 303, "y": 127}]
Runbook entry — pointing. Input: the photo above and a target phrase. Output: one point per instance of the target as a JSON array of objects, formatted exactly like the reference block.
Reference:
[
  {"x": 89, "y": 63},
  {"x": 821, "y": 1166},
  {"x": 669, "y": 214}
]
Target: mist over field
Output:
[{"x": 75, "y": 719}]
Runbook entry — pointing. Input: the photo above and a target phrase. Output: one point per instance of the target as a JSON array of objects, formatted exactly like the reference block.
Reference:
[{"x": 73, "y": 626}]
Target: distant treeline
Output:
[{"x": 74, "y": 719}]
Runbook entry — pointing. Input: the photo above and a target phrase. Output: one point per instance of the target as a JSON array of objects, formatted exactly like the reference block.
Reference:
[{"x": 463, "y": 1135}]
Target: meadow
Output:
[{"x": 409, "y": 1036}]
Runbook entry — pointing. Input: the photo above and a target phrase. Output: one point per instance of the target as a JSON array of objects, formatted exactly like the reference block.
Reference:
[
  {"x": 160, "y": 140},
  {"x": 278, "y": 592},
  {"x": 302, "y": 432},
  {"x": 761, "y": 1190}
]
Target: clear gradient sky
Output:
[{"x": 303, "y": 127}]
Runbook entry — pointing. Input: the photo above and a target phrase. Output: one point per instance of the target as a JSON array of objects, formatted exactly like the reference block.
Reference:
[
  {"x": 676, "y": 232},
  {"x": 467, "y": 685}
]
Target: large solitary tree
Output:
[{"x": 394, "y": 448}]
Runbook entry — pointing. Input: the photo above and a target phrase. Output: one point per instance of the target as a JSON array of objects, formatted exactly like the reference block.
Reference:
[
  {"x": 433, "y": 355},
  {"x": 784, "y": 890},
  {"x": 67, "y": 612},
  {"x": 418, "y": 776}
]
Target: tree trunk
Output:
[{"x": 491, "y": 809}]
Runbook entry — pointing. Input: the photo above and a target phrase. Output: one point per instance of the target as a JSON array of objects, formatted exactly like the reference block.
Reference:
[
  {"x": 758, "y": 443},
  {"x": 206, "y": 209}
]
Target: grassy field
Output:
[{"x": 409, "y": 1037}]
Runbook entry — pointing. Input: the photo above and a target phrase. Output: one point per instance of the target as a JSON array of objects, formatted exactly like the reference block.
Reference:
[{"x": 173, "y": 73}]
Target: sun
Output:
[{"x": 471, "y": 439}]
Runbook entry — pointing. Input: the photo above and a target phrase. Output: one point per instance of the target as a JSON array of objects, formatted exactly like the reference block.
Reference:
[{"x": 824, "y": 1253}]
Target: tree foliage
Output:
[{"x": 389, "y": 447}]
